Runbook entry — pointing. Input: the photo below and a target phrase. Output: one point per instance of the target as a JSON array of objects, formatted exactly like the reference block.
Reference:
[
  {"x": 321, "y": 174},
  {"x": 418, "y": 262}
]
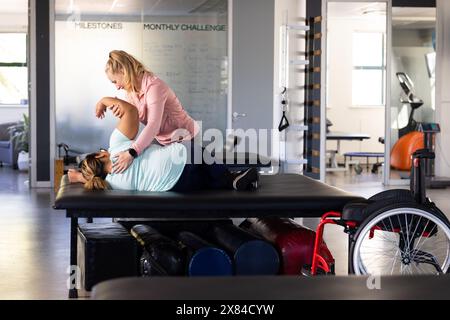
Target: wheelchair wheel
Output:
[
  {"x": 405, "y": 240},
  {"x": 396, "y": 195}
]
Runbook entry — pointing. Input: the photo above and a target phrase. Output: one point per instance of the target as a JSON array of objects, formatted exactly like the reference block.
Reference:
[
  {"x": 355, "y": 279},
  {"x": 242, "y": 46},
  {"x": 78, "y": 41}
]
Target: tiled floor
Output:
[{"x": 34, "y": 239}]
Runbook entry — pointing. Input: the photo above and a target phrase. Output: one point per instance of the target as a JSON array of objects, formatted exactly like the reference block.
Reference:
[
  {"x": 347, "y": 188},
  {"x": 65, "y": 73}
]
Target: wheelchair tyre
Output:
[
  {"x": 393, "y": 194},
  {"x": 420, "y": 243}
]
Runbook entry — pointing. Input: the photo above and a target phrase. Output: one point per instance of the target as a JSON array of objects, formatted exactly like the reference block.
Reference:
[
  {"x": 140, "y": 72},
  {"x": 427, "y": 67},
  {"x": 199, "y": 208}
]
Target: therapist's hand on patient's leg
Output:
[
  {"x": 122, "y": 161},
  {"x": 116, "y": 110}
]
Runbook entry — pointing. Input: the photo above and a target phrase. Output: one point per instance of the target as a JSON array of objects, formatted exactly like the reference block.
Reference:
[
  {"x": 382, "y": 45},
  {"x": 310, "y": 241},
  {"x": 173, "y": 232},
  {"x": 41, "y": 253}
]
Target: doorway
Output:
[
  {"x": 356, "y": 90},
  {"x": 413, "y": 84}
]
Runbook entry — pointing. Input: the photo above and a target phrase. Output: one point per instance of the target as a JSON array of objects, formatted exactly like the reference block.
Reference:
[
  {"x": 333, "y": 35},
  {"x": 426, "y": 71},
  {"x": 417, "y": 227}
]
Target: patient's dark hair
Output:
[{"x": 94, "y": 172}]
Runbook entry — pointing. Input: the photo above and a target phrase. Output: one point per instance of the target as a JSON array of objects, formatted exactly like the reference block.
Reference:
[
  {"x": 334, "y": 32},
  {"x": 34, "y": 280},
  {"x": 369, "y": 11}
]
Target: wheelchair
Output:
[{"x": 395, "y": 232}]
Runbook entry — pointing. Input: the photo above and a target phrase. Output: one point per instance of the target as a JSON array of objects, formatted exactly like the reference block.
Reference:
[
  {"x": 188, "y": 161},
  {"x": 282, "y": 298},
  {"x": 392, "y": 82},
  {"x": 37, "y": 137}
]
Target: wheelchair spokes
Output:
[{"x": 402, "y": 241}]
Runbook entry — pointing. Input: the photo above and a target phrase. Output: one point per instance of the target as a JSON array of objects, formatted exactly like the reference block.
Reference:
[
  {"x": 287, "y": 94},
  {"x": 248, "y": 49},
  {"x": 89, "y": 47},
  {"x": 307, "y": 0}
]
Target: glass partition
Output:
[
  {"x": 356, "y": 89},
  {"x": 182, "y": 42},
  {"x": 412, "y": 82}
]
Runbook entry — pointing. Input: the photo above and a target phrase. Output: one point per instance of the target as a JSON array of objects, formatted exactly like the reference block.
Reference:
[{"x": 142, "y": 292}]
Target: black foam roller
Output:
[{"x": 162, "y": 255}]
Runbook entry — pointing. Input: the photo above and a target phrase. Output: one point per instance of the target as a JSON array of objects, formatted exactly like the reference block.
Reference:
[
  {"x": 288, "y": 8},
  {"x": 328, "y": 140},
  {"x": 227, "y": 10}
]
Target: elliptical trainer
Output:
[{"x": 429, "y": 131}]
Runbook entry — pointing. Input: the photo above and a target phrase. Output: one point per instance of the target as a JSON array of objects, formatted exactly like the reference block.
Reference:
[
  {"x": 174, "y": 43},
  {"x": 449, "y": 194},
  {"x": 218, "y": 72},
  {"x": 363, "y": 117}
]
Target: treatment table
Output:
[{"x": 283, "y": 195}]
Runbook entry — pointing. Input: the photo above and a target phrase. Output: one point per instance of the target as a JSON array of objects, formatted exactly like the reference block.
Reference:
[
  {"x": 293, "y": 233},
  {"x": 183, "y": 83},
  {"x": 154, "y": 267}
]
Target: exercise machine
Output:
[
  {"x": 411, "y": 99},
  {"x": 427, "y": 134},
  {"x": 430, "y": 130},
  {"x": 409, "y": 138}
]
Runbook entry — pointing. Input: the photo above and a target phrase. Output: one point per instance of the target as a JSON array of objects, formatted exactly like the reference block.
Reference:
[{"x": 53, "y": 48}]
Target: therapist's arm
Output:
[
  {"x": 156, "y": 100},
  {"x": 117, "y": 106}
]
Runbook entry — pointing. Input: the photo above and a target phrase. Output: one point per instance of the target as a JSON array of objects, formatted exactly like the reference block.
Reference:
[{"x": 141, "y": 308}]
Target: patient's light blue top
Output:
[{"x": 156, "y": 169}]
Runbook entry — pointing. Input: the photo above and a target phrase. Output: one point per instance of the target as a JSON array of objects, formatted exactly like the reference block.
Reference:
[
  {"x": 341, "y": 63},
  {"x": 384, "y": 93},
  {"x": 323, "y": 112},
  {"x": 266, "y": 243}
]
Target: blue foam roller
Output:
[
  {"x": 252, "y": 255},
  {"x": 205, "y": 259}
]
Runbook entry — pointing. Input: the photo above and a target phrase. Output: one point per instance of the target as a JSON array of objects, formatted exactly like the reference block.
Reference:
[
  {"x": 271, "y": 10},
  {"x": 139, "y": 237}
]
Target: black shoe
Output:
[{"x": 246, "y": 179}]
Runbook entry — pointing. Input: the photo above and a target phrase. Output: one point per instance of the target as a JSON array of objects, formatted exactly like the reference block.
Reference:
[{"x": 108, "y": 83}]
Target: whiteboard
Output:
[
  {"x": 192, "y": 59},
  {"x": 81, "y": 53}
]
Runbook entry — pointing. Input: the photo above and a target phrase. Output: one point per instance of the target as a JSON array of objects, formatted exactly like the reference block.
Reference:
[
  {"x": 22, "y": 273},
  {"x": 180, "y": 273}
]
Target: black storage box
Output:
[{"x": 105, "y": 251}]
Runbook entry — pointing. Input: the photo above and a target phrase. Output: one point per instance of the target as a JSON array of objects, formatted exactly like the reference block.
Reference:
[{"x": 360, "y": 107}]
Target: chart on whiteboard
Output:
[{"x": 192, "y": 60}]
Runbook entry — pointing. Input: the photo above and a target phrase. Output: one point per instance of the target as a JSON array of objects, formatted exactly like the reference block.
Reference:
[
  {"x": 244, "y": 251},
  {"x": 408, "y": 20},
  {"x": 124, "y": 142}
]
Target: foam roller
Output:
[
  {"x": 162, "y": 255},
  {"x": 294, "y": 242},
  {"x": 204, "y": 258},
  {"x": 251, "y": 254}
]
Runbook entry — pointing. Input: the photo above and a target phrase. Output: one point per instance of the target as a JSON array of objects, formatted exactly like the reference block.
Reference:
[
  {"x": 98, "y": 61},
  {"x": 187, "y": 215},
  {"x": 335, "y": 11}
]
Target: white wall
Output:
[
  {"x": 11, "y": 114},
  {"x": 345, "y": 118},
  {"x": 442, "y": 90},
  {"x": 13, "y": 22}
]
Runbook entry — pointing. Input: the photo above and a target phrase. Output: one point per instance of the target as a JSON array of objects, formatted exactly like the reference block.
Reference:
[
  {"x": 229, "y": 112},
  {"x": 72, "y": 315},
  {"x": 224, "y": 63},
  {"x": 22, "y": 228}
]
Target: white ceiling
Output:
[
  {"x": 139, "y": 7},
  {"x": 414, "y": 18},
  {"x": 356, "y": 9},
  {"x": 123, "y": 7},
  {"x": 14, "y": 6},
  {"x": 402, "y": 17}
]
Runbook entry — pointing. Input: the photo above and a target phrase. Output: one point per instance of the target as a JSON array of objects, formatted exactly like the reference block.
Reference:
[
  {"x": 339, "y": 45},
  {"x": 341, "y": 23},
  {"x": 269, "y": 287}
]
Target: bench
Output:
[{"x": 366, "y": 155}]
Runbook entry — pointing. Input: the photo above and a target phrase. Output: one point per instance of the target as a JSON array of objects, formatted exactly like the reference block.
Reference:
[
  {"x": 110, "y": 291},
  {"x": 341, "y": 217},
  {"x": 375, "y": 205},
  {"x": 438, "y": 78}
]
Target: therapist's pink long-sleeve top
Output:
[{"x": 162, "y": 114}]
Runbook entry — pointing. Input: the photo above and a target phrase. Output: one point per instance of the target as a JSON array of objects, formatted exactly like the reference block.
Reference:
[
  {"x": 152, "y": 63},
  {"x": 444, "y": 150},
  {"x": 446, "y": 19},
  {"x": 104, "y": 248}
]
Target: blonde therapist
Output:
[{"x": 159, "y": 109}]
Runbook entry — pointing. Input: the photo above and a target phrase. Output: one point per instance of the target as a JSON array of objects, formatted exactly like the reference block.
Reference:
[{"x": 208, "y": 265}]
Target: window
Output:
[
  {"x": 13, "y": 69},
  {"x": 368, "y": 74}
]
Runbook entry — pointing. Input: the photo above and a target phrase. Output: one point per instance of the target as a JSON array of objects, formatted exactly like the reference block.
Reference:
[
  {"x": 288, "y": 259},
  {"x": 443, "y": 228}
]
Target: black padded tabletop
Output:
[
  {"x": 284, "y": 195},
  {"x": 275, "y": 288}
]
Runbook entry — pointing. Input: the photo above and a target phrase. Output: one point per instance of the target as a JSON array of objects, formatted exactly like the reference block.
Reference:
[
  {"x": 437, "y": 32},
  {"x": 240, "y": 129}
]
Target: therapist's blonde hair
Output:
[{"x": 133, "y": 69}]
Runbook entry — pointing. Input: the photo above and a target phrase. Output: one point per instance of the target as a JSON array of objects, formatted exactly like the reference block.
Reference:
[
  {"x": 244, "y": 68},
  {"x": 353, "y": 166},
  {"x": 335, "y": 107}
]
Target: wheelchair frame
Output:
[{"x": 418, "y": 192}]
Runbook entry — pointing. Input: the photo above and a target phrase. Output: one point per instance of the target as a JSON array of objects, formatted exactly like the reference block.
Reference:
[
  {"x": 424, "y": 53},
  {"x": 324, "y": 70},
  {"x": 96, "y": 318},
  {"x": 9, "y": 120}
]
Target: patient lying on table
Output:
[{"x": 158, "y": 168}]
